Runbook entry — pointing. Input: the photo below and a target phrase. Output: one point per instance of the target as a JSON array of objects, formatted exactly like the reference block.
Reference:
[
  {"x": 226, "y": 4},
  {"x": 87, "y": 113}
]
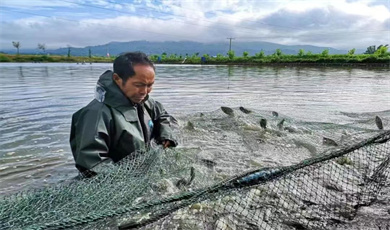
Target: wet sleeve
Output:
[
  {"x": 90, "y": 136},
  {"x": 165, "y": 125}
]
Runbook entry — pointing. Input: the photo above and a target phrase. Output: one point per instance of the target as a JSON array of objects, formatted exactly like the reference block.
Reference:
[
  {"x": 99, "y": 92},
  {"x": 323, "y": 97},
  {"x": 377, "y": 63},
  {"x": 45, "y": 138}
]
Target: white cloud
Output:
[{"x": 334, "y": 23}]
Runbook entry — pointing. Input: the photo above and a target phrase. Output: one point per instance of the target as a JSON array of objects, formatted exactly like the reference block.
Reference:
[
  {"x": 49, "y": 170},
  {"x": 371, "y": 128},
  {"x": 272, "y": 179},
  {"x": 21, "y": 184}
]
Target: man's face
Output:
[{"x": 138, "y": 86}]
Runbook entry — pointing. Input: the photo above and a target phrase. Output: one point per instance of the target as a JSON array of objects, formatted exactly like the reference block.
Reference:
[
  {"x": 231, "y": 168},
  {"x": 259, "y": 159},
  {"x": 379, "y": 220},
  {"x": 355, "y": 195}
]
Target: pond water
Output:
[{"x": 37, "y": 101}]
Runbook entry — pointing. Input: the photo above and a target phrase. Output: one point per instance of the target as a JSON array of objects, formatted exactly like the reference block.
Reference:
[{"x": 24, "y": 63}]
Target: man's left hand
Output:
[{"x": 166, "y": 143}]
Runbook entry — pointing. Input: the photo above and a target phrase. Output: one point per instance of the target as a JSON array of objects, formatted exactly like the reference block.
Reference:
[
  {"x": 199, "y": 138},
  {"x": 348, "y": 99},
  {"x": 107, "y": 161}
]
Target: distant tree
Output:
[
  {"x": 325, "y": 52},
  {"x": 42, "y": 47},
  {"x": 352, "y": 51},
  {"x": 301, "y": 53},
  {"x": 245, "y": 54},
  {"x": 278, "y": 52},
  {"x": 372, "y": 49},
  {"x": 309, "y": 53},
  {"x": 261, "y": 54},
  {"x": 17, "y": 46},
  {"x": 381, "y": 51},
  {"x": 219, "y": 56},
  {"x": 89, "y": 53},
  {"x": 154, "y": 57},
  {"x": 196, "y": 54},
  {"x": 231, "y": 54}
]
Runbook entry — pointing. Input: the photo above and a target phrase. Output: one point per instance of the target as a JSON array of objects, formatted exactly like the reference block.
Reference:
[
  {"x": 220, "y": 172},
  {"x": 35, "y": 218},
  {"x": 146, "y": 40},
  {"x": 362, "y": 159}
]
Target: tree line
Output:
[
  {"x": 372, "y": 54},
  {"x": 370, "y": 50}
]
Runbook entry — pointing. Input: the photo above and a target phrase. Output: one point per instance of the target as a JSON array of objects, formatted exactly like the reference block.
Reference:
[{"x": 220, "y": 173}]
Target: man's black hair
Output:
[{"x": 124, "y": 63}]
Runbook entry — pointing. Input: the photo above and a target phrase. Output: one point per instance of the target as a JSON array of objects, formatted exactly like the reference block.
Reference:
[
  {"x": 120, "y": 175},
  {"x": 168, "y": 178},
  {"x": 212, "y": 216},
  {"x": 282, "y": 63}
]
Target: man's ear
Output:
[{"x": 117, "y": 79}]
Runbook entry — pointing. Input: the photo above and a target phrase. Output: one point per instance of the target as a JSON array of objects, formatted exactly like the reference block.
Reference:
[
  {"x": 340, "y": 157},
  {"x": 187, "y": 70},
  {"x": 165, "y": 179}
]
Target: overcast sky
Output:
[{"x": 342, "y": 24}]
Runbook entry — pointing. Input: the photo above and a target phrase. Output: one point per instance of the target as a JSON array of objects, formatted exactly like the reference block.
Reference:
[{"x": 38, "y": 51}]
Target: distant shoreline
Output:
[
  {"x": 313, "y": 60},
  {"x": 279, "y": 64},
  {"x": 307, "y": 64}
]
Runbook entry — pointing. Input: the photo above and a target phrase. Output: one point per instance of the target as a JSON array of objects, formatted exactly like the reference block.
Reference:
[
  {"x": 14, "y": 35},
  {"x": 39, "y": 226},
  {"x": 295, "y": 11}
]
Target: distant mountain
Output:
[{"x": 185, "y": 47}]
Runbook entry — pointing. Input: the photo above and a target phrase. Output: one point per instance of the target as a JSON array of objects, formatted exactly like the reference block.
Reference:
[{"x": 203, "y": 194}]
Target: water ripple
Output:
[{"x": 37, "y": 105}]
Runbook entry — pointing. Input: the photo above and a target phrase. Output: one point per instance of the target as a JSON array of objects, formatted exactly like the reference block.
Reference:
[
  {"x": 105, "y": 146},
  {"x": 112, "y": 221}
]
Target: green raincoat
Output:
[{"x": 111, "y": 126}]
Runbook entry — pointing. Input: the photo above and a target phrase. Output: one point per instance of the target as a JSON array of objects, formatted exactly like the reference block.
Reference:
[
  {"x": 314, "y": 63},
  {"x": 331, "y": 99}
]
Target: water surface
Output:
[{"x": 37, "y": 101}]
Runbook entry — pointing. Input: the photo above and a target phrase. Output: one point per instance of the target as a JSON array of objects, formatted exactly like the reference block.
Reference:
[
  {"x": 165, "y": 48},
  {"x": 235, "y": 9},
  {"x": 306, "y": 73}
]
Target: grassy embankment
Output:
[
  {"x": 51, "y": 58},
  {"x": 258, "y": 59},
  {"x": 377, "y": 59}
]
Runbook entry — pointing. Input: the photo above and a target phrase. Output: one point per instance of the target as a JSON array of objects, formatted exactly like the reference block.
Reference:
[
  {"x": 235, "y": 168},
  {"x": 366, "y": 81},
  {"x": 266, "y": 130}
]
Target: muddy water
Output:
[{"x": 37, "y": 101}]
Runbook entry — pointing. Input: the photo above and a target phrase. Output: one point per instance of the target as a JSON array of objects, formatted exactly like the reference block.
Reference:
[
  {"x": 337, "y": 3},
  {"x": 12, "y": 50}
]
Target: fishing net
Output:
[{"x": 234, "y": 169}]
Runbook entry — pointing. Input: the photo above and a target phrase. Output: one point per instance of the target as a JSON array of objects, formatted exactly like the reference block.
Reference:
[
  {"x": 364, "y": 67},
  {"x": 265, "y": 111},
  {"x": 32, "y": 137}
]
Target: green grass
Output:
[
  {"x": 52, "y": 58},
  {"x": 281, "y": 59}
]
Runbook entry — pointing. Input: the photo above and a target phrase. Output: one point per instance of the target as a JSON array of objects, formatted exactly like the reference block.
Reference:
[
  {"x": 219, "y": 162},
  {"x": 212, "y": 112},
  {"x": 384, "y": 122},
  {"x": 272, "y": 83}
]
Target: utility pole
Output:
[{"x": 230, "y": 45}]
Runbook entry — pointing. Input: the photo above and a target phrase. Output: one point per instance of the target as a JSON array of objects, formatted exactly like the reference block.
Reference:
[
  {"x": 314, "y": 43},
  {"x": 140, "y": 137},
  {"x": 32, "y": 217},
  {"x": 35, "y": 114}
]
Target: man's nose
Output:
[{"x": 144, "y": 90}]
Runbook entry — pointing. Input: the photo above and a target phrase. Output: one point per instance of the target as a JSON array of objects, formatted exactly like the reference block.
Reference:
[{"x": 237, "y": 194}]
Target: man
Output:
[{"x": 122, "y": 118}]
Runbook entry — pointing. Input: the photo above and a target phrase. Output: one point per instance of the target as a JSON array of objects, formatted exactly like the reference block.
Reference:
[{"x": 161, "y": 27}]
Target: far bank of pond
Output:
[{"x": 347, "y": 60}]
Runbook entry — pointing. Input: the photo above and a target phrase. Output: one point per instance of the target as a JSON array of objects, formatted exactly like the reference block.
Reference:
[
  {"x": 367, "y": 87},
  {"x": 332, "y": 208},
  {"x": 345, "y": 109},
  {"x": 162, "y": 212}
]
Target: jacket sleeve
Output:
[
  {"x": 90, "y": 136},
  {"x": 164, "y": 125}
]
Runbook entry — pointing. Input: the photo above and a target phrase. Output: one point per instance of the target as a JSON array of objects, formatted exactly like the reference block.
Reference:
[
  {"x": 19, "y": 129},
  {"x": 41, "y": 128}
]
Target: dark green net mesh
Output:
[{"x": 230, "y": 172}]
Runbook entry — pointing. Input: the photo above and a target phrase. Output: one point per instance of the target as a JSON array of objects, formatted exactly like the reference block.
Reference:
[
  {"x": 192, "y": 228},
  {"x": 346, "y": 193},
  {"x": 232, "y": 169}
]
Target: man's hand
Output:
[{"x": 166, "y": 143}]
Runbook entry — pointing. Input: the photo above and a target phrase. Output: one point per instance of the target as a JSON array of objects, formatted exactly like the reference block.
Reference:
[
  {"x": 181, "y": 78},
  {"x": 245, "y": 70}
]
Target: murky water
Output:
[{"x": 38, "y": 100}]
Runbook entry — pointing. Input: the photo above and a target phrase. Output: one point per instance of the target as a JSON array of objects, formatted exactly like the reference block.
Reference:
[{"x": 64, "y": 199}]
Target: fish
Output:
[
  {"x": 190, "y": 126},
  {"x": 183, "y": 182},
  {"x": 311, "y": 148},
  {"x": 309, "y": 202},
  {"x": 263, "y": 123},
  {"x": 378, "y": 122},
  {"x": 275, "y": 114},
  {"x": 291, "y": 129},
  {"x": 227, "y": 111},
  {"x": 328, "y": 141},
  {"x": 294, "y": 224},
  {"x": 192, "y": 175},
  {"x": 244, "y": 110},
  {"x": 209, "y": 163},
  {"x": 280, "y": 124},
  {"x": 333, "y": 186}
]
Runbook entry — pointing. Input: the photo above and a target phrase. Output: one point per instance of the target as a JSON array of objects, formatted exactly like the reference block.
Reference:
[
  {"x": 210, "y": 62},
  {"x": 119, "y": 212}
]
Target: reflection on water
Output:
[{"x": 37, "y": 101}]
